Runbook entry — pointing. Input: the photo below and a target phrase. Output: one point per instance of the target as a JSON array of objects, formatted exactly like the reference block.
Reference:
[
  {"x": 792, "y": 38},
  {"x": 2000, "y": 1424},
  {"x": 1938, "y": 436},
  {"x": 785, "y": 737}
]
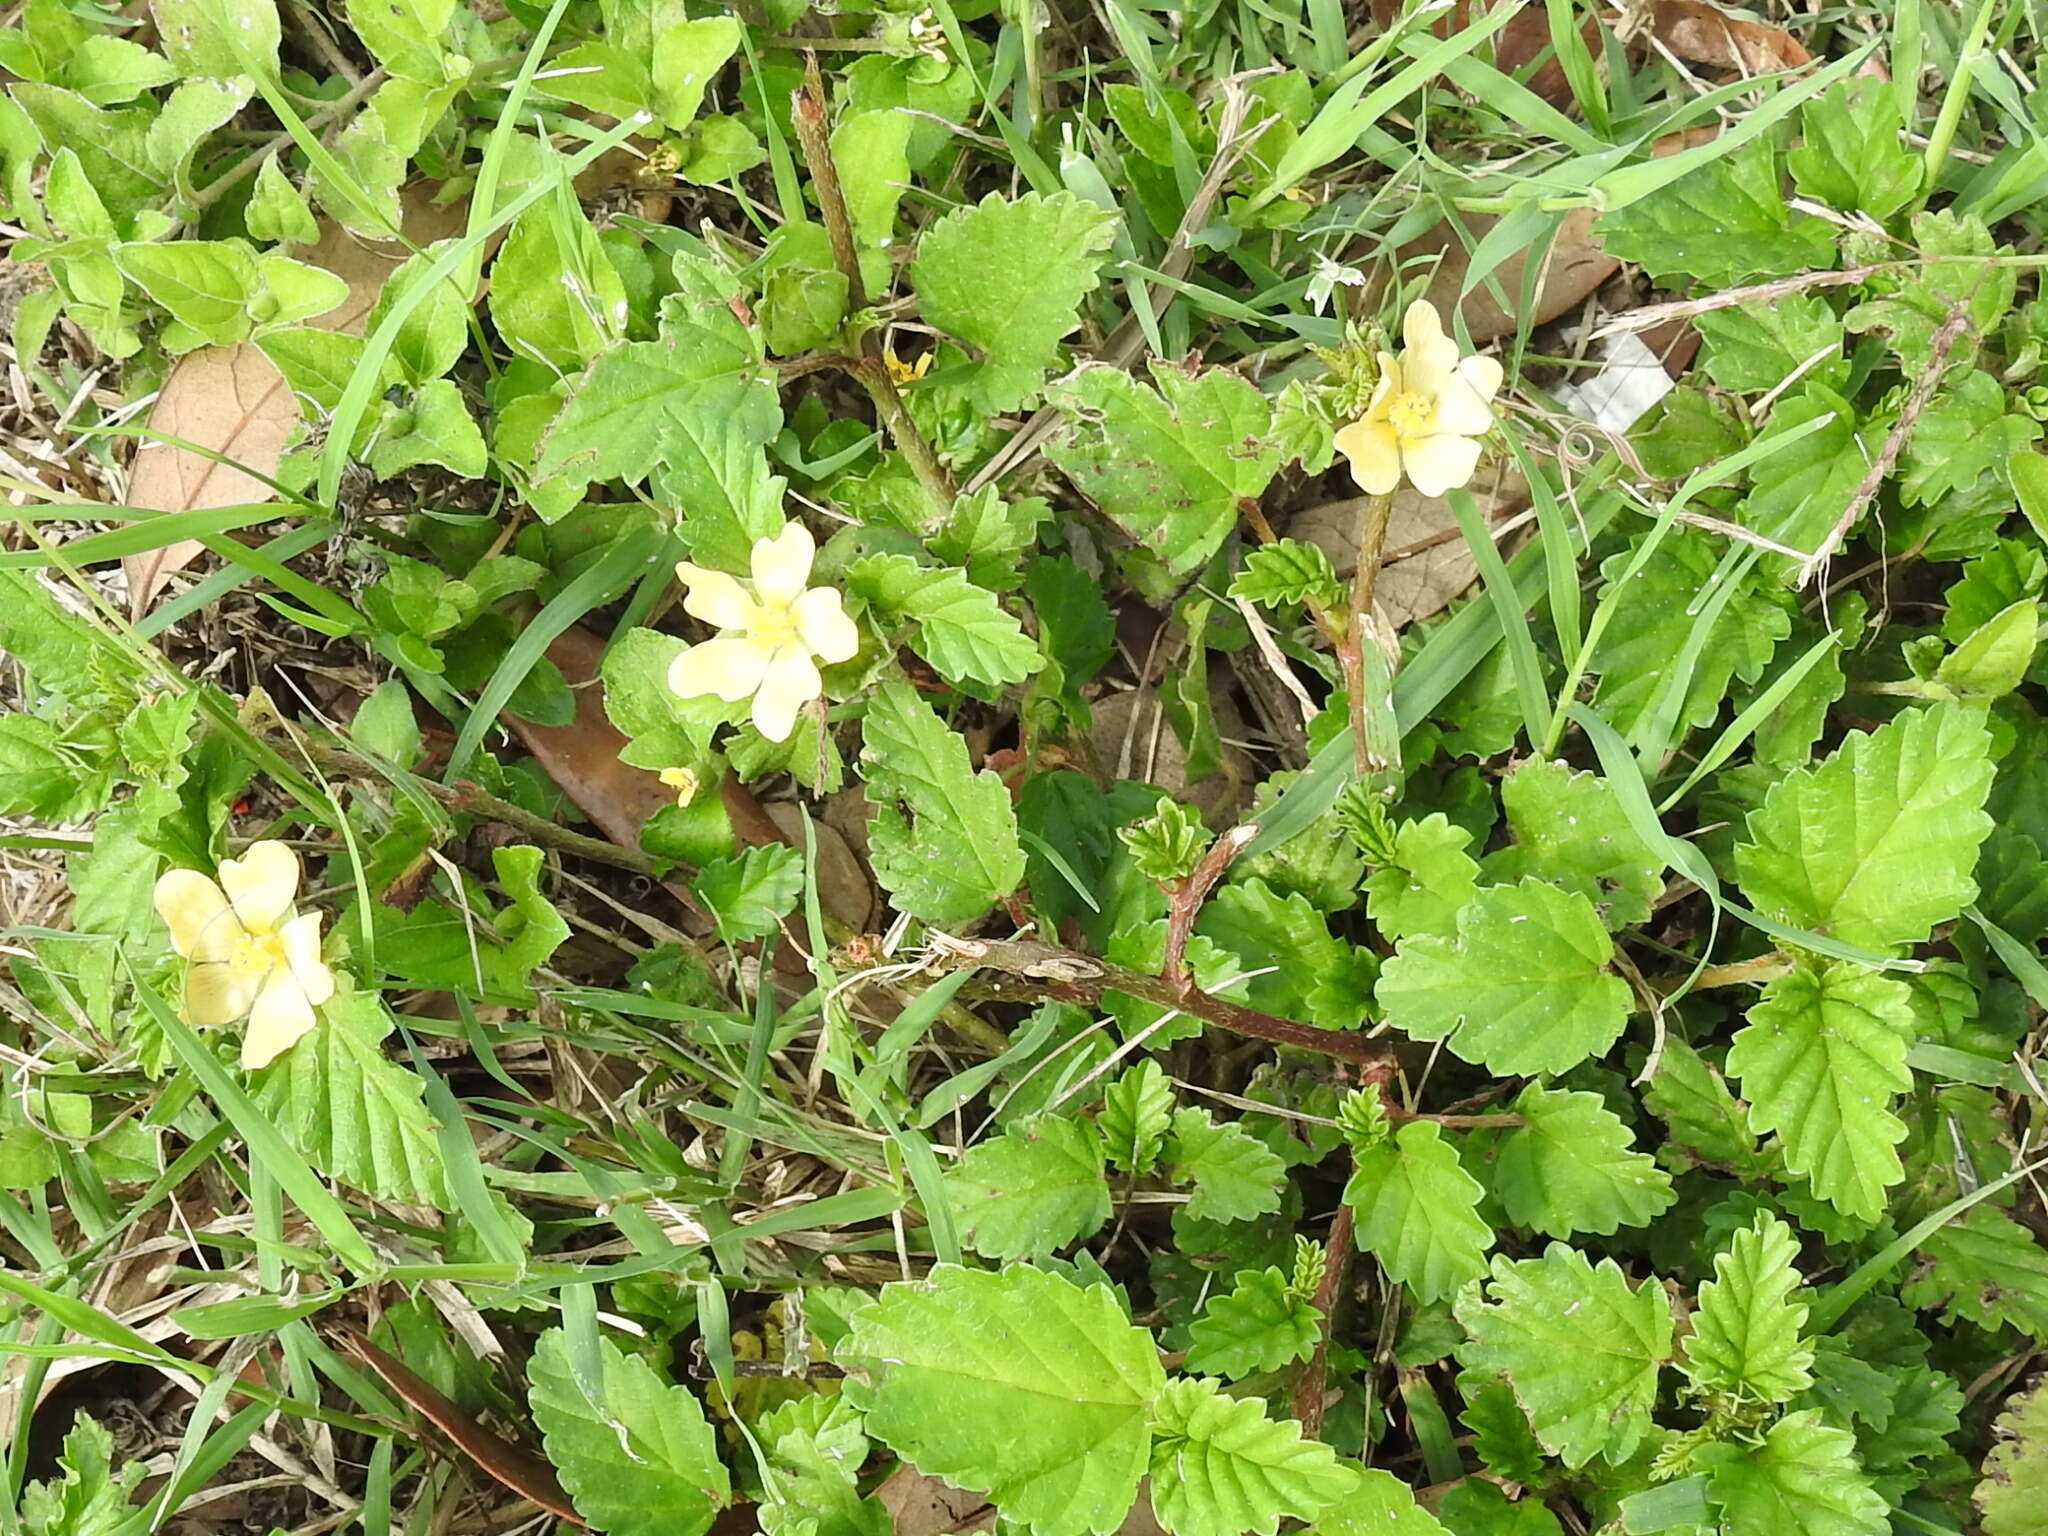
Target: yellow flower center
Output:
[
  {"x": 1411, "y": 414},
  {"x": 258, "y": 954},
  {"x": 772, "y": 627}
]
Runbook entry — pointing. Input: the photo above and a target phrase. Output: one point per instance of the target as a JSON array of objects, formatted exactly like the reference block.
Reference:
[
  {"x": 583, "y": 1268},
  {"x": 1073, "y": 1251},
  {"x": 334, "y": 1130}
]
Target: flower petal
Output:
[
  {"x": 1461, "y": 408},
  {"x": 791, "y": 682},
  {"x": 301, "y": 938},
  {"x": 782, "y": 565},
  {"x": 1390, "y": 384},
  {"x": 1483, "y": 375},
  {"x": 203, "y": 926},
  {"x": 715, "y": 597},
  {"x": 261, "y": 884},
  {"x": 730, "y": 667},
  {"x": 1441, "y": 463},
  {"x": 1431, "y": 356},
  {"x": 217, "y": 992},
  {"x": 1375, "y": 456},
  {"x": 282, "y": 1016},
  {"x": 822, "y": 624}
]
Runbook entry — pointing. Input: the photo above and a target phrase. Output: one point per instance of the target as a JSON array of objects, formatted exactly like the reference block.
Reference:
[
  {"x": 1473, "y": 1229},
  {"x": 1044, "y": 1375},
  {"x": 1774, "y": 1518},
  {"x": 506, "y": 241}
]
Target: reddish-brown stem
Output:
[
  {"x": 1308, "y": 1391},
  {"x": 1187, "y": 895}
]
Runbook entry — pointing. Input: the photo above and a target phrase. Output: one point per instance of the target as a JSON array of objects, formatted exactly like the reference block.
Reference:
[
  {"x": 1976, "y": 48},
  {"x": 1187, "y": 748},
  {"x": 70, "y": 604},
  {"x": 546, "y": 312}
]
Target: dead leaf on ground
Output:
[
  {"x": 922, "y": 1505},
  {"x": 235, "y": 402},
  {"x": 843, "y": 884},
  {"x": 1129, "y": 737},
  {"x": 1573, "y": 266},
  {"x": 1427, "y": 563},
  {"x": 1705, "y": 34}
]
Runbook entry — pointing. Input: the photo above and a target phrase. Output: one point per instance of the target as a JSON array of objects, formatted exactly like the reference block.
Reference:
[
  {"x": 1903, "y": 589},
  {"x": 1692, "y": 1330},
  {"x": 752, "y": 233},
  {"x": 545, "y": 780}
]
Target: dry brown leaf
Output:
[
  {"x": 1574, "y": 265},
  {"x": 234, "y": 401},
  {"x": 1705, "y": 34},
  {"x": 843, "y": 884},
  {"x": 1129, "y": 737},
  {"x": 582, "y": 757}
]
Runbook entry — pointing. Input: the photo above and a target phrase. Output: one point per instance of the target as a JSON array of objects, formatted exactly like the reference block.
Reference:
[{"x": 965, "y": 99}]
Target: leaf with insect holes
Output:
[
  {"x": 1032, "y": 1190},
  {"x": 962, "y": 630},
  {"x": 1875, "y": 845},
  {"x": 1581, "y": 1347},
  {"x": 1236, "y": 1176},
  {"x": 1137, "y": 1112},
  {"x": 1259, "y": 1324},
  {"x": 644, "y": 1460},
  {"x": 1802, "y": 1480},
  {"x": 1006, "y": 276},
  {"x": 1822, "y": 1060},
  {"x": 2013, "y": 1497},
  {"x": 1018, "y": 1384},
  {"x": 1168, "y": 465},
  {"x": 957, "y": 851},
  {"x": 1570, "y": 829},
  {"x": 352, "y": 1112},
  {"x": 1569, "y": 1168},
  {"x": 1418, "y": 1211},
  {"x": 1988, "y": 1268},
  {"x": 1523, "y": 987},
  {"x": 1745, "y": 1342},
  {"x": 1221, "y": 1467}
]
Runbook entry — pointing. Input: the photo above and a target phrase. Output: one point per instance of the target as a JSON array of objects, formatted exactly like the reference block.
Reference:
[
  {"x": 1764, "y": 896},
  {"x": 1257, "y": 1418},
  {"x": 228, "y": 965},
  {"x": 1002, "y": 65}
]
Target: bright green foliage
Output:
[
  {"x": 1426, "y": 881},
  {"x": 1137, "y": 1112},
  {"x": 470, "y": 948},
  {"x": 1236, "y": 1176},
  {"x": 2013, "y": 1497},
  {"x": 957, "y": 851},
  {"x": 1759, "y": 347},
  {"x": 1821, "y": 1061},
  {"x": 638, "y": 1459},
  {"x": 1021, "y": 1385},
  {"x": 1524, "y": 987},
  {"x": 1569, "y": 1168},
  {"x": 750, "y": 893},
  {"x": 1911, "y": 302},
  {"x": 1166, "y": 465},
  {"x": 1803, "y": 486},
  {"x": 1745, "y": 1344},
  {"x": 961, "y": 629},
  {"x": 218, "y": 38},
  {"x": 1852, "y": 156},
  {"x": 554, "y": 296},
  {"x": 1986, "y": 1267},
  {"x": 1875, "y": 845},
  {"x": 1167, "y": 844},
  {"x": 1037, "y": 1187},
  {"x": 351, "y": 1111},
  {"x": 91, "y": 1498},
  {"x": 1417, "y": 1212},
  {"x": 1708, "y": 1124},
  {"x": 1721, "y": 224},
  {"x": 1005, "y": 278},
  {"x": 1260, "y": 1324},
  {"x": 1992, "y": 659},
  {"x": 1581, "y": 1347},
  {"x": 818, "y": 1443},
  {"x": 1220, "y": 1467},
  {"x": 1802, "y": 1480},
  {"x": 1381, "y": 1505},
  {"x": 1288, "y": 572},
  {"x": 1571, "y": 831}
]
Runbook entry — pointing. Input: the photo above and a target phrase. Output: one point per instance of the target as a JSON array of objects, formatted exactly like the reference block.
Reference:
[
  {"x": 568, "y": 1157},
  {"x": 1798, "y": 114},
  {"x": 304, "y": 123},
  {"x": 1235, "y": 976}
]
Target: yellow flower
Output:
[
  {"x": 1427, "y": 414},
  {"x": 251, "y": 953},
  {"x": 900, "y": 372},
  {"x": 781, "y": 627},
  {"x": 682, "y": 781}
]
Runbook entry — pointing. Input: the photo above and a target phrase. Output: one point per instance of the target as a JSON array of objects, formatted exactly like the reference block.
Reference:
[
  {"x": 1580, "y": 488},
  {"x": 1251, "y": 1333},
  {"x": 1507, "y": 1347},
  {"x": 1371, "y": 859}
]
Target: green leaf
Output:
[
  {"x": 1988, "y": 1268},
  {"x": 1745, "y": 1343},
  {"x": 1032, "y": 1190},
  {"x": 1309, "y": 972},
  {"x": 1426, "y": 882},
  {"x": 1800, "y": 489},
  {"x": 1569, "y": 1168},
  {"x": 1220, "y": 1467},
  {"x": 91, "y": 1498},
  {"x": 638, "y": 1460},
  {"x": 405, "y": 36},
  {"x": 957, "y": 852},
  {"x": 1381, "y": 1505},
  {"x": 1875, "y": 845},
  {"x": 1524, "y": 987},
  {"x": 962, "y": 630},
  {"x": 1803, "y": 1480},
  {"x": 1909, "y": 302},
  {"x": 436, "y": 428},
  {"x": 1821, "y": 1060},
  {"x": 1966, "y": 435},
  {"x": 1417, "y": 1211},
  {"x": 1236, "y": 1176},
  {"x": 1993, "y": 660},
  {"x": 1288, "y": 572},
  {"x": 554, "y": 295},
  {"x": 474, "y": 951},
  {"x": 1168, "y": 466},
  {"x": 1019, "y": 1385},
  {"x": 1137, "y": 1112},
  {"x": 1570, "y": 829},
  {"x": 2013, "y": 1497},
  {"x": 1852, "y": 156},
  {"x": 353, "y": 1113},
  {"x": 218, "y": 38},
  {"x": 208, "y": 284},
  {"x": 1751, "y": 348},
  {"x": 750, "y": 893},
  {"x": 1581, "y": 1347},
  {"x": 1259, "y": 1324},
  {"x": 1708, "y": 1124},
  {"x": 1723, "y": 224},
  {"x": 1005, "y": 277}
]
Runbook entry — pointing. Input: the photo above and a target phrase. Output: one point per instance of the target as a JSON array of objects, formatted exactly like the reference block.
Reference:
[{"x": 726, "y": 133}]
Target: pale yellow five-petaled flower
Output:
[
  {"x": 1428, "y": 412},
  {"x": 781, "y": 625},
  {"x": 251, "y": 953}
]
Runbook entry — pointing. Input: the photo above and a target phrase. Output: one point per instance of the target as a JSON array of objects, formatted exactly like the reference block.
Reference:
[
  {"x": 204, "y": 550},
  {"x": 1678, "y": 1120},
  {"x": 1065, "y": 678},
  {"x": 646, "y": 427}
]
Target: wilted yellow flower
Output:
[
  {"x": 902, "y": 373},
  {"x": 1427, "y": 414},
  {"x": 251, "y": 953},
  {"x": 781, "y": 628},
  {"x": 682, "y": 781}
]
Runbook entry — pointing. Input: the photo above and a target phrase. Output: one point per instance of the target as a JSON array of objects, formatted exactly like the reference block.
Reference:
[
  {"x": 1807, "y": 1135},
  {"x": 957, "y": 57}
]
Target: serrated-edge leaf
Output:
[
  {"x": 1220, "y": 1467},
  {"x": 1569, "y": 1168},
  {"x": 1745, "y": 1342},
  {"x": 1417, "y": 1211},
  {"x": 1031, "y": 1190},
  {"x": 2013, "y": 1496}
]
